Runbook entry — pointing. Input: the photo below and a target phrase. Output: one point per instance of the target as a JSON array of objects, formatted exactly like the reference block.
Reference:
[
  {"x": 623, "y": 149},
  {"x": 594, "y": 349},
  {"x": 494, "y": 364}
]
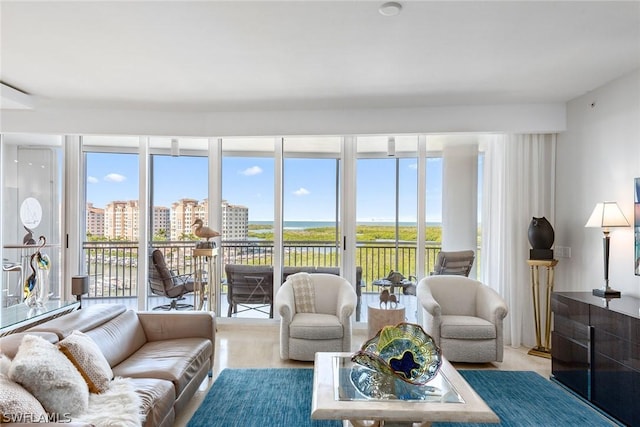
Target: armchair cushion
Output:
[
  {"x": 466, "y": 328},
  {"x": 303, "y": 293},
  {"x": 315, "y": 326}
]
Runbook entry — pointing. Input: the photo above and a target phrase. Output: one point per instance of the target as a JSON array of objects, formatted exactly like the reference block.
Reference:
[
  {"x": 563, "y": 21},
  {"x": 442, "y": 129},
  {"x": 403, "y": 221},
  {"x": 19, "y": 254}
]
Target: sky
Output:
[{"x": 309, "y": 185}]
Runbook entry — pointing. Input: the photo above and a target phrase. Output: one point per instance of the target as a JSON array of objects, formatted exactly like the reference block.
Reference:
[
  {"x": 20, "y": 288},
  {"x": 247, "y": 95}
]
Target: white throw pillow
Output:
[
  {"x": 303, "y": 292},
  {"x": 17, "y": 405},
  {"x": 46, "y": 373},
  {"x": 86, "y": 356}
]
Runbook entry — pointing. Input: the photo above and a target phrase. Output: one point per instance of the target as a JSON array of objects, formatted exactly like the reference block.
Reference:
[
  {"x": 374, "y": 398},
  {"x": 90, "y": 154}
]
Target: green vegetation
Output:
[{"x": 364, "y": 233}]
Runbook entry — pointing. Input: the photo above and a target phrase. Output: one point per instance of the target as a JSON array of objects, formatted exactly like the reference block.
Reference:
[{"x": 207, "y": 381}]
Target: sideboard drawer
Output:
[{"x": 570, "y": 363}]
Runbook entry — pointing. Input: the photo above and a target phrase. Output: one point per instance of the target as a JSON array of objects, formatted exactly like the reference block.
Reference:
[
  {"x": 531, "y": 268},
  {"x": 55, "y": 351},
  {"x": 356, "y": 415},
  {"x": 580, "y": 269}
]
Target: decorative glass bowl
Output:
[{"x": 404, "y": 351}]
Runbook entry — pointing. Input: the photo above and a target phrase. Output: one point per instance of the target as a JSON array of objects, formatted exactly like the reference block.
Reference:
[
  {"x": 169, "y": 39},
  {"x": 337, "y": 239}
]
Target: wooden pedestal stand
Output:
[{"x": 206, "y": 278}]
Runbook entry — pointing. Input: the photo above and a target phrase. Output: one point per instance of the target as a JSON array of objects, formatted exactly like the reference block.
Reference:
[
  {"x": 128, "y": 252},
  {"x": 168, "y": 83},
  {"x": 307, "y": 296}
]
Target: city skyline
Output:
[{"x": 308, "y": 190}]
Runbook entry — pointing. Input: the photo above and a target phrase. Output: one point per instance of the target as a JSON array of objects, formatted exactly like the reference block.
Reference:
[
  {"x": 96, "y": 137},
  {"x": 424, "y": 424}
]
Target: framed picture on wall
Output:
[{"x": 636, "y": 224}]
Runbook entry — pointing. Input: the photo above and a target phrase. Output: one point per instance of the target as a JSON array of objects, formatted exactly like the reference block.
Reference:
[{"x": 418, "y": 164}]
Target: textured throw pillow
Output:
[
  {"x": 17, "y": 405},
  {"x": 46, "y": 373},
  {"x": 86, "y": 356},
  {"x": 303, "y": 293}
]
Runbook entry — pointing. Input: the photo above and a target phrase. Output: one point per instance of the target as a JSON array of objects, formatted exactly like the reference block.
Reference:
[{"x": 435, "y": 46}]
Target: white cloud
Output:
[
  {"x": 92, "y": 180},
  {"x": 413, "y": 166},
  {"x": 253, "y": 170},
  {"x": 301, "y": 192},
  {"x": 115, "y": 177}
]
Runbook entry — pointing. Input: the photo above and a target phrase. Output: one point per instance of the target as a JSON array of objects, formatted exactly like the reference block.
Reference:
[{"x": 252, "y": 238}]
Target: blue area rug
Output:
[
  {"x": 524, "y": 398},
  {"x": 282, "y": 397}
]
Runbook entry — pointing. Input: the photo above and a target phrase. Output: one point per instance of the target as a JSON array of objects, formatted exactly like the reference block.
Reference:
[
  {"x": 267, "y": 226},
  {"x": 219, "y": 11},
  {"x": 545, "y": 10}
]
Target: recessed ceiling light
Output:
[{"x": 391, "y": 8}]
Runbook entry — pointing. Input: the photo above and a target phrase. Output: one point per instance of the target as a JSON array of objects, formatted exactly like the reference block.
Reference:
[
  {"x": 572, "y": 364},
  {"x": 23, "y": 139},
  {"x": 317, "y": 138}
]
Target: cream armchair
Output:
[
  {"x": 302, "y": 334},
  {"x": 464, "y": 317}
]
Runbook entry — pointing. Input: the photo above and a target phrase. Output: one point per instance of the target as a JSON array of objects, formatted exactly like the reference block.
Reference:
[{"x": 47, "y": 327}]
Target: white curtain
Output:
[{"x": 518, "y": 184}]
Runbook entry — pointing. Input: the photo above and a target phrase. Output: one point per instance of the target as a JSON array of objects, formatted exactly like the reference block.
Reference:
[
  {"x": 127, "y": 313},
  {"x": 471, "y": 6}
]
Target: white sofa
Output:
[{"x": 464, "y": 317}]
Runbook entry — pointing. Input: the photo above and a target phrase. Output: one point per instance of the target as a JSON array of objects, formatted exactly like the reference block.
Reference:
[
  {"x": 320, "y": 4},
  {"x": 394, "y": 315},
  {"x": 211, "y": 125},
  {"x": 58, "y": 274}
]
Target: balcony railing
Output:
[{"x": 112, "y": 266}]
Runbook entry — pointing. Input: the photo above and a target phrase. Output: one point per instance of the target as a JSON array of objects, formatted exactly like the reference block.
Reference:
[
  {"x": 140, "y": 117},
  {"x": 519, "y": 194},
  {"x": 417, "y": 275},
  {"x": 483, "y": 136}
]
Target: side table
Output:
[
  {"x": 535, "y": 264},
  {"x": 378, "y": 317},
  {"x": 206, "y": 278}
]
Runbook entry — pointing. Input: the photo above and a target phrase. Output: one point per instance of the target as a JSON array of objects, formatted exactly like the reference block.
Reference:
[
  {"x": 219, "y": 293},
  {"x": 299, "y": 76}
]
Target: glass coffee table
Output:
[{"x": 340, "y": 393}]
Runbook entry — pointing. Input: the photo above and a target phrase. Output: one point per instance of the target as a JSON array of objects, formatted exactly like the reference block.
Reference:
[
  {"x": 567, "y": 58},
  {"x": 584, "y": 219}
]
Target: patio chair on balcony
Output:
[
  {"x": 249, "y": 287},
  {"x": 166, "y": 283},
  {"x": 457, "y": 263}
]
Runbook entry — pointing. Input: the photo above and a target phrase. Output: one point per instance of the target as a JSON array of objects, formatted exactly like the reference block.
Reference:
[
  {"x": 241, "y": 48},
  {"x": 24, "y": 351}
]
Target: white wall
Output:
[{"x": 598, "y": 158}]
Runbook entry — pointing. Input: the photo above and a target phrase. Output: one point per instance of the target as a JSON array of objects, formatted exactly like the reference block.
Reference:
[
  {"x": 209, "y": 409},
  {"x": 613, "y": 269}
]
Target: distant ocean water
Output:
[{"x": 302, "y": 225}]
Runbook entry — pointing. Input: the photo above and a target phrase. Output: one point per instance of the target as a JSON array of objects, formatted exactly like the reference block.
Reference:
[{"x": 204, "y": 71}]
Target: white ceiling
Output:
[{"x": 272, "y": 55}]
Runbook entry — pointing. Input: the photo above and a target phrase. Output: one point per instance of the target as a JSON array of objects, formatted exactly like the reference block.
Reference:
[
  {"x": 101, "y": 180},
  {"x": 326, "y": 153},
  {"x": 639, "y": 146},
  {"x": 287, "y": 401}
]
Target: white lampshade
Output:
[{"x": 606, "y": 215}]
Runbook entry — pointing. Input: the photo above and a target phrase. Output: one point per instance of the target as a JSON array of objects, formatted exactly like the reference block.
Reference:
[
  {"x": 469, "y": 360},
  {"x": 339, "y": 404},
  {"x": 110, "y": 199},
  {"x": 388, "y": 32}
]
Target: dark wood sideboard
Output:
[{"x": 595, "y": 350}]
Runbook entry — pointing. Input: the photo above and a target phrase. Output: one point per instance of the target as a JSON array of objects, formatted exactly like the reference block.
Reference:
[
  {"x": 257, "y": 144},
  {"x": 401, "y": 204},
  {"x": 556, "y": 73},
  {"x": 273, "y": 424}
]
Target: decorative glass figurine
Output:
[{"x": 404, "y": 351}]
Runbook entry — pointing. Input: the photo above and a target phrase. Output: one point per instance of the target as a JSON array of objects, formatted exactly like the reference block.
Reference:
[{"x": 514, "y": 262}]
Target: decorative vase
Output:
[{"x": 541, "y": 237}]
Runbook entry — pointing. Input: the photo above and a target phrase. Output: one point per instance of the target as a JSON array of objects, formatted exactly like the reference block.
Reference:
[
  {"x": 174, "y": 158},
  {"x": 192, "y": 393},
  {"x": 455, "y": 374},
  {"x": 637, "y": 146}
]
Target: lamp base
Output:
[{"x": 606, "y": 293}]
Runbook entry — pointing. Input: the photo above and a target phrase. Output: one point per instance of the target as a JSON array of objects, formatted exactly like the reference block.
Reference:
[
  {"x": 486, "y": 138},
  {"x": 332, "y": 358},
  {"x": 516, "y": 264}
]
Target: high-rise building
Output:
[
  {"x": 235, "y": 221},
  {"x": 183, "y": 213},
  {"x": 121, "y": 220},
  {"x": 161, "y": 221},
  {"x": 95, "y": 220}
]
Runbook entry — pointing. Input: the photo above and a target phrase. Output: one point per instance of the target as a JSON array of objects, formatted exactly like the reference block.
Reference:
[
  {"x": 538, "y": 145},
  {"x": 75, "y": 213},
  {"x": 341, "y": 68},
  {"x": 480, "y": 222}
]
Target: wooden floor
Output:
[{"x": 246, "y": 343}]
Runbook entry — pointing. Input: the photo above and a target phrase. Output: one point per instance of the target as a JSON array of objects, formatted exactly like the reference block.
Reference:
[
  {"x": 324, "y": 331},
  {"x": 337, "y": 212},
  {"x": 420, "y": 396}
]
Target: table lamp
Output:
[{"x": 606, "y": 215}]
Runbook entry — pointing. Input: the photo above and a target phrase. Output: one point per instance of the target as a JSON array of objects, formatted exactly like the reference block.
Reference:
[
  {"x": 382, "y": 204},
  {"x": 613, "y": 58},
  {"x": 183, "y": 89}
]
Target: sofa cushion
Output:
[
  {"x": 86, "y": 356},
  {"x": 46, "y": 373},
  {"x": 315, "y": 326},
  {"x": 158, "y": 397},
  {"x": 119, "y": 338},
  {"x": 17, "y": 404},
  {"x": 466, "y": 328},
  {"x": 83, "y": 320},
  {"x": 176, "y": 360}
]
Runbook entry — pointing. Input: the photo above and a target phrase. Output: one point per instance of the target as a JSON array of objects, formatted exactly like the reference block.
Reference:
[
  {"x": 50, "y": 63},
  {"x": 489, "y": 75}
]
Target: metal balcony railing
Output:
[{"x": 112, "y": 266}]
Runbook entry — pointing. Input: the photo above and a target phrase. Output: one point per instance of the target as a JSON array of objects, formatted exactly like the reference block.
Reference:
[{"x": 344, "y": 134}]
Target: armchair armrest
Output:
[
  {"x": 431, "y": 311},
  {"x": 426, "y": 300},
  {"x": 347, "y": 301},
  {"x": 180, "y": 279},
  {"x": 285, "y": 303},
  {"x": 490, "y": 305}
]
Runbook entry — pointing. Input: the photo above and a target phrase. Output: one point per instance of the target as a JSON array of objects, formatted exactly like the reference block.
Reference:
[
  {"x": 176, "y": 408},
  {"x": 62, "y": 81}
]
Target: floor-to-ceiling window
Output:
[
  {"x": 386, "y": 208},
  {"x": 310, "y": 194},
  {"x": 110, "y": 247},
  {"x": 248, "y": 209},
  {"x": 178, "y": 182},
  {"x": 281, "y": 202}
]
